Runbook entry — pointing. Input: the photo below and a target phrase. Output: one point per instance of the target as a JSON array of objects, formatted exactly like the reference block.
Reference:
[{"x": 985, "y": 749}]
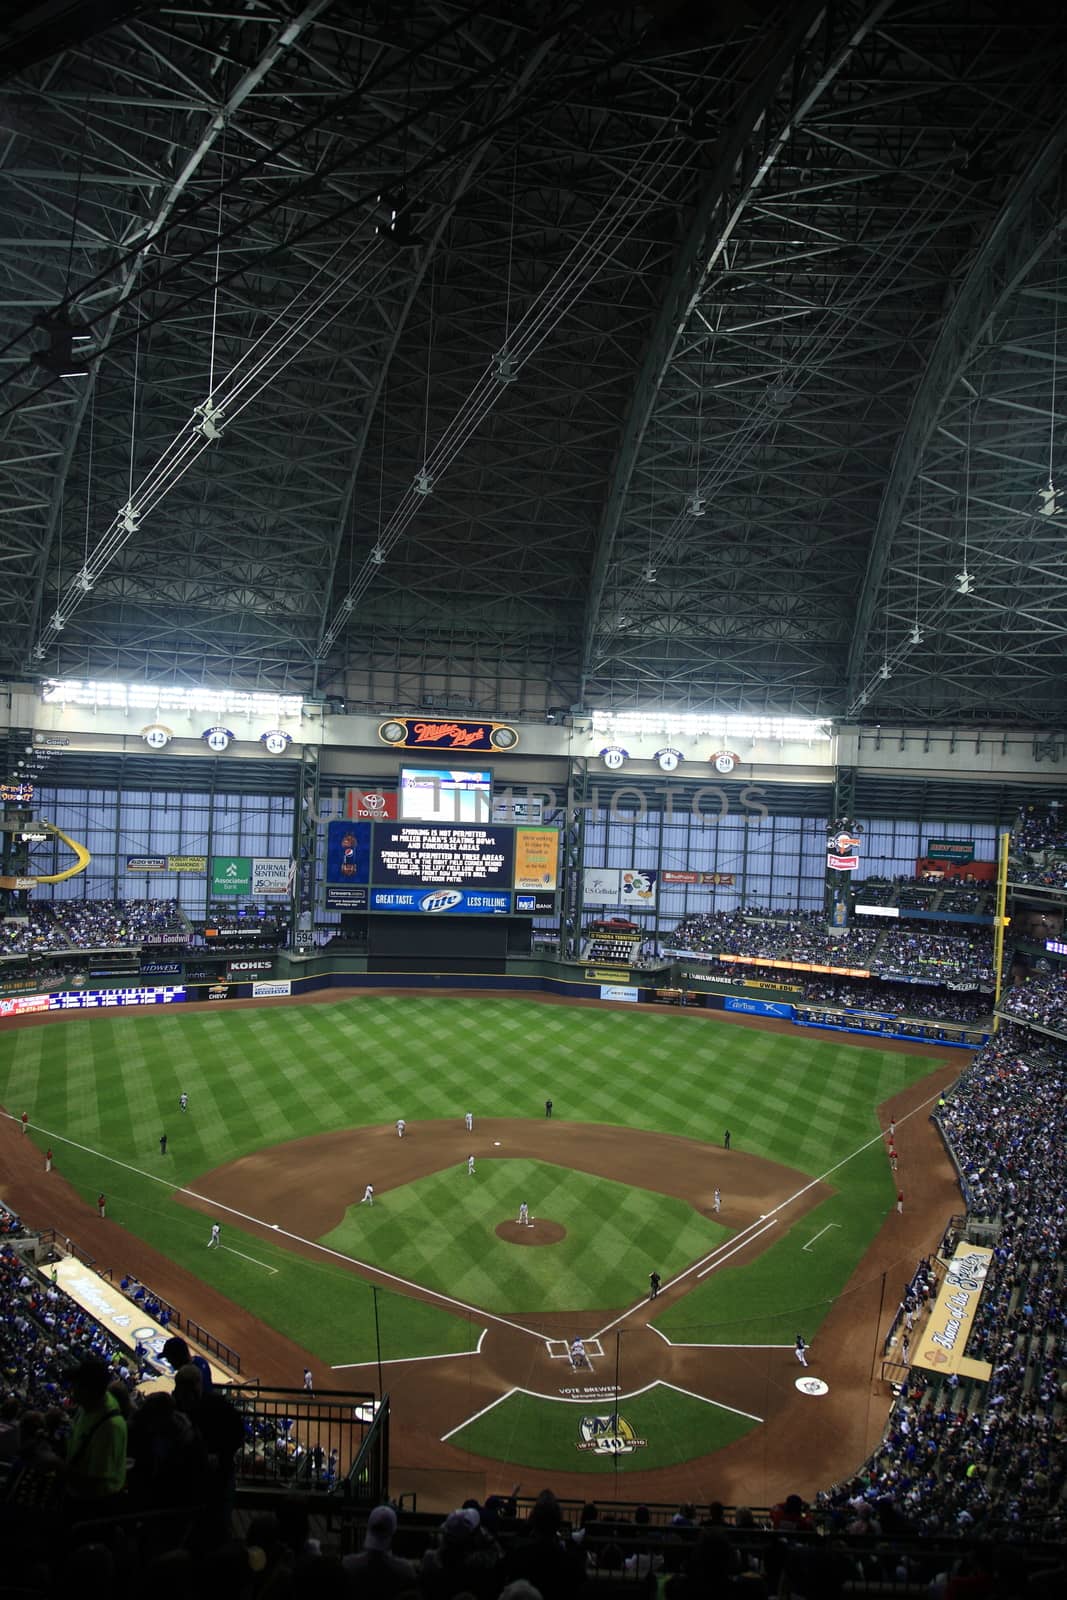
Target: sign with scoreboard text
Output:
[
  {"x": 157, "y": 994},
  {"x": 434, "y": 867}
]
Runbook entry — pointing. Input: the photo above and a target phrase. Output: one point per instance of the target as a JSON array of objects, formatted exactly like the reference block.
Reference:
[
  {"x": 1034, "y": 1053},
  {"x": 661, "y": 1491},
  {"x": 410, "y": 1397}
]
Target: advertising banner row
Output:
[
  {"x": 236, "y": 875},
  {"x": 92, "y": 999}
]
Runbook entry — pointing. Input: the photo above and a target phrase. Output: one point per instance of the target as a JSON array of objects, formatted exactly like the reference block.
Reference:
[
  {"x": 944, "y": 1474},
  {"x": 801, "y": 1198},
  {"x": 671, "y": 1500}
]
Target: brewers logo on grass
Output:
[{"x": 608, "y": 1436}]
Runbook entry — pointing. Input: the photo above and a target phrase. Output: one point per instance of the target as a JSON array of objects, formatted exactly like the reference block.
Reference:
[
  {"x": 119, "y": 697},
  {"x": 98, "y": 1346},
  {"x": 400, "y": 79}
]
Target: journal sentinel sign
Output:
[{"x": 160, "y": 994}]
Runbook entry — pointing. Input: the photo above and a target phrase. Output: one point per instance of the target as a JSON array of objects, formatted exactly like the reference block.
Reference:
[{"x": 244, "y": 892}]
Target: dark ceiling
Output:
[{"x": 534, "y": 355}]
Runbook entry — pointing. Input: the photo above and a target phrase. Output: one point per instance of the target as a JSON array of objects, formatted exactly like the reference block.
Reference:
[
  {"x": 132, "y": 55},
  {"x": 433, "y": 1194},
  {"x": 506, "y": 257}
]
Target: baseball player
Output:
[
  {"x": 799, "y": 1348},
  {"x": 48, "y": 1159},
  {"x": 183, "y": 1102},
  {"x": 215, "y": 1242},
  {"x": 470, "y": 1166},
  {"x": 101, "y": 1205},
  {"x": 162, "y": 1144},
  {"x": 578, "y": 1355},
  {"x": 653, "y": 1285},
  {"x": 468, "y": 1118},
  {"x": 308, "y": 1381},
  {"x": 400, "y": 1126},
  {"x": 726, "y": 1140},
  {"x": 25, "y": 1120},
  {"x": 717, "y": 1201},
  {"x": 548, "y": 1108},
  {"x": 524, "y": 1216},
  {"x": 368, "y": 1195}
]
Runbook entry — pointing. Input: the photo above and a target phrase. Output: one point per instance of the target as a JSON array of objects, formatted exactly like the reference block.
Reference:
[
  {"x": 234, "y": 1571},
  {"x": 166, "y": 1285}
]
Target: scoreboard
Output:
[
  {"x": 439, "y": 868},
  {"x": 443, "y": 856}
]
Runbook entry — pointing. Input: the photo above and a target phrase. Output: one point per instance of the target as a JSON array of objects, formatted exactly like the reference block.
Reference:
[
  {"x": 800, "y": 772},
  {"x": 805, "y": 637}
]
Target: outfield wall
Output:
[{"x": 637, "y": 987}]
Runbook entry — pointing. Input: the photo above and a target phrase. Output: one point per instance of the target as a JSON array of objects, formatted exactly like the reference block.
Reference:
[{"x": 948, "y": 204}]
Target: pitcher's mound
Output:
[{"x": 540, "y": 1232}]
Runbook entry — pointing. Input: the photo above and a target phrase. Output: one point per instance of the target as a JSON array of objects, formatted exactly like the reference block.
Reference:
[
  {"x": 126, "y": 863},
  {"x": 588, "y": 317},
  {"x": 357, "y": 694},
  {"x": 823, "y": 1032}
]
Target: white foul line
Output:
[
  {"x": 312, "y": 1244},
  {"x": 253, "y": 1259},
  {"x": 773, "y": 1223},
  {"x": 434, "y": 1294},
  {"x": 612, "y": 1400},
  {"x": 773, "y": 1213},
  {"x": 819, "y": 1235},
  {"x": 468, "y": 1420}
]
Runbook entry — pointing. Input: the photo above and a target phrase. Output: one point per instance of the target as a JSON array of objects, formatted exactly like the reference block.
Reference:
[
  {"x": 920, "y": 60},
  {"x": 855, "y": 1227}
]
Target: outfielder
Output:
[
  {"x": 400, "y": 1126},
  {"x": 470, "y": 1166},
  {"x": 468, "y": 1118}
]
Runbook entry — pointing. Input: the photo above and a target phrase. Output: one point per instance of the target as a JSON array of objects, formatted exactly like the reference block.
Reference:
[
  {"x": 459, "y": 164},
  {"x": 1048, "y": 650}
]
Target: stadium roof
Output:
[{"x": 515, "y": 356}]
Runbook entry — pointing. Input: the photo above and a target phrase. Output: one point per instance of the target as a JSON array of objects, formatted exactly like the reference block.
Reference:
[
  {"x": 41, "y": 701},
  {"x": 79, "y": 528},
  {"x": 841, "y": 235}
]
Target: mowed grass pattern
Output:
[
  {"x": 440, "y": 1232},
  {"x": 258, "y": 1078}
]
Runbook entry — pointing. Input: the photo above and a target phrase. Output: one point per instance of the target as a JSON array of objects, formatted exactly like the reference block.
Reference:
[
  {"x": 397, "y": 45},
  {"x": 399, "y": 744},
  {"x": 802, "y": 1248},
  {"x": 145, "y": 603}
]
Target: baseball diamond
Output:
[{"x": 468, "y": 1325}]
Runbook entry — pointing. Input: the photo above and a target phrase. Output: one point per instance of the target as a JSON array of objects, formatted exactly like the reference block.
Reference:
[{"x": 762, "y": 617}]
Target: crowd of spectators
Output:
[
  {"x": 36, "y": 934},
  {"x": 102, "y": 924},
  {"x": 899, "y": 1000},
  {"x": 959, "y": 956},
  {"x": 1051, "y": 874},
  {"x": 1039, "y": 848},
  {"x": 958, "y": 1454},
  {"x": 64, "y": 925},
  {"x": 1041, "y": 1000},
  {"x": 43, "y": 1332},
  {"x": 1040, "y": 828},
  {"x": 935, "y": 956},
  {"x": 774, "y": 934}
]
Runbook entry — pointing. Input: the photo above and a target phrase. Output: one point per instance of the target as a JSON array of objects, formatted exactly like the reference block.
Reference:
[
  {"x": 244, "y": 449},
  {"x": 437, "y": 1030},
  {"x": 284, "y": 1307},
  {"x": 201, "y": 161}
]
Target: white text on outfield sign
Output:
[{"x": 262, "y": 991}]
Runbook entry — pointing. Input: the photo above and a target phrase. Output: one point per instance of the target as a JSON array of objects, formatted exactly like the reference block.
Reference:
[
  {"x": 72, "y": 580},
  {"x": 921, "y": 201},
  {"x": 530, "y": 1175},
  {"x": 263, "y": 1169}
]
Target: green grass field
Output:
[
  {"x": 534, "y": 1432},
  {"x": 434, "y": 1232},
  {"x": 103, "y": 1091}
]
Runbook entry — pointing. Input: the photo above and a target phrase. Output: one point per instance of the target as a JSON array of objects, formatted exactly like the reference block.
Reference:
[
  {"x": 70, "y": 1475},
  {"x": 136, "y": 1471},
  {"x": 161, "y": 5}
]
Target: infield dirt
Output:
[{"x": 804, "y": 1443}]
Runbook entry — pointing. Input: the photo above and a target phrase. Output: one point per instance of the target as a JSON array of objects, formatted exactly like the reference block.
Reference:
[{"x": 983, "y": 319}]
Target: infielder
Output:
[
  {"x": 524, "y": 1216},
  {"x": 368, "y": 1195},
  {"x": 470, "y": 1166},
  {"x": 717, "y": 1201},
  {"x": 215, "y": 1242},
  {"x": 468, "y": 1118},
  {"x": 799, "y": 1348},
  {"x": 400, "y": 1126}
]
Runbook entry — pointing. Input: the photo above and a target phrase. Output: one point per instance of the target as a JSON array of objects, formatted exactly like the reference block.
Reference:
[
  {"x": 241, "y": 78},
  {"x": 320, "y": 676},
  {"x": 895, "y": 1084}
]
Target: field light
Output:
[
  {"x": 146, "y": 697},
  {"x": 693, "y": 724}
]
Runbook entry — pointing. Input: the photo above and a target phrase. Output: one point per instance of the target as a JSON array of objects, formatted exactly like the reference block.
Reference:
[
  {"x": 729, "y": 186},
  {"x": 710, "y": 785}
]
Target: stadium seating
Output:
[{"x": 70, "y": 925}]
